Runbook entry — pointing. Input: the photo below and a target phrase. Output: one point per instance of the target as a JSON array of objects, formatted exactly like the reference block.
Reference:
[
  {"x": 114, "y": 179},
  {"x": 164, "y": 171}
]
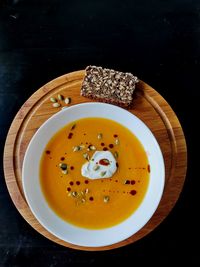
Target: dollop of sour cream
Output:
[{"x": 101, "y": 165}]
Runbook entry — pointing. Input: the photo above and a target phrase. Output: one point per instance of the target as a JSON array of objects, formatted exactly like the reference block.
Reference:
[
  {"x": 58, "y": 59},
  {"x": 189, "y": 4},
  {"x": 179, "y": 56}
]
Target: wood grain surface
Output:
[{"x": 148, "y": 105}]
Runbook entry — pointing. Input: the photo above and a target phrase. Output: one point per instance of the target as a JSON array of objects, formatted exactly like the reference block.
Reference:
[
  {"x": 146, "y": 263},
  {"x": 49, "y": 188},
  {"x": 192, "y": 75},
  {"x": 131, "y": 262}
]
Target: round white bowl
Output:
[{"x": 66, "y": 231}]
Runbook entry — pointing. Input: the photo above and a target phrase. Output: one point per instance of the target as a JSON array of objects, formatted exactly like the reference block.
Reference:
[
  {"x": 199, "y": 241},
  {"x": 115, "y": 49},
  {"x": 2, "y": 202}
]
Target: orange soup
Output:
[{"x": 99, "y": 203}]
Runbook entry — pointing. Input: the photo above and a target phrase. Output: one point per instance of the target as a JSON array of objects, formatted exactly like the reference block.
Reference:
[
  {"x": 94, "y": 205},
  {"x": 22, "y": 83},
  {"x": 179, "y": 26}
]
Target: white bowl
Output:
[{"x": 66, "y": 231}]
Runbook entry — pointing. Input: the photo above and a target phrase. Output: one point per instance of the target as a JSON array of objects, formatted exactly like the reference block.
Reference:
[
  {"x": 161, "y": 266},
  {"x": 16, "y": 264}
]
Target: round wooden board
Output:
[{"x": 149, "y": 106}]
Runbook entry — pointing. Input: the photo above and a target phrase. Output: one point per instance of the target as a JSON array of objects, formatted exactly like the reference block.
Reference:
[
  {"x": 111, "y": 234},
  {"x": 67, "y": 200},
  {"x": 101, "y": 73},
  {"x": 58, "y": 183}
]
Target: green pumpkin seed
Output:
[
  {"x": 60, "y": 97},
  {"x": 53, "y": 99}
]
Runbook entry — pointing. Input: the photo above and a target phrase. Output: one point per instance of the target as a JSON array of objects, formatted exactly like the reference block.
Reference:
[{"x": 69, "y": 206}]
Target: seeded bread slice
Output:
[{"x": 107, "y": 85}]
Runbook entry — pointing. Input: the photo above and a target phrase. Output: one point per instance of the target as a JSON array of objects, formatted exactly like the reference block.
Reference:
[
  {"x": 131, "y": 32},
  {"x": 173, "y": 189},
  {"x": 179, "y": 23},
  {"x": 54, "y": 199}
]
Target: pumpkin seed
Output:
[
  {"x": 65, "y": 171},
  {"x": 86, "y": 191},
  {"x": 73, "y": 126},
  {"x": 117, "y": 141},
  {"x": 96, "y": 167},
  {"x": 76, "y": 148},
  {"x": 53, "y": 99},
  {"x": 91, "y": 147},
  {"x": 67, "y": 100},
  {"x": 63, "y": 166},
  {"x": 99, "y": 136},
  {"x": 103, "y": 173},
  {"x": 116, "y": 155},
  {"x": 106, "y": 199},
  {"x": 56, "y": 105},
  {"x": 86, "y": 156},
  {"x": 60, "y": 97},
  {"x": 74, "y": 194}
]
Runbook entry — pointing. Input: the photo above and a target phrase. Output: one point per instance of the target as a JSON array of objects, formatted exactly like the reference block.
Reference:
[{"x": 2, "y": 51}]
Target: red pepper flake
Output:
[
  {"x": 72, "y": 168},
  {"x": 91, "y": 198},
  {"x": 102, "y": 144},
  {"x": 133, "y": 182},
  {"x": 70, "y": 135},
  {"x": 133, "y": 192},
  {"x": 86, "y": 182},
  {"x": 71, "y": 183},
  {"x": 48, "y": 152},
  {"x": 111, "y": 145},
  {"x": 105, "y": 149},
  {"x": 68, "y": 189},
  {"x": 62, "y": 158},
  {"x": 115, "y": 135},
  {"x": 78, "y": 183},
  {"x": 148, "y": 168}
]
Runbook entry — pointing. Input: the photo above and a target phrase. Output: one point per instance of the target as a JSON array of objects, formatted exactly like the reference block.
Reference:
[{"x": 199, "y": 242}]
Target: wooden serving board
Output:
[{"x": 149, "y": 106}]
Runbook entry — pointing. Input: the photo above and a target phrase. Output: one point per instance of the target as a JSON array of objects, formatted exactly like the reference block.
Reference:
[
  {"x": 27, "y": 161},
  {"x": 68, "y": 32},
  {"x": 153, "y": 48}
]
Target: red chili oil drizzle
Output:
[
  {"x": 149, "y": 168},
  {"x": 91, "y": 198},
  {"x": 132, "y": 182},
  {"x": 105, "y": 149},
  {"x": 111, "y": 145},
  {"x": 102, "y": 144},
  {"x": 48, "y": 152},
  {"x": 62, "y": 158},
  {"x": 68, "y": 189},
  {"x": 78, "y": 183},
  {"x": 70, "y": 135},
  {"x": 72, "y": 168},
  {"x": 71, "y": 183},
  {"x": 104, "y": 162},
  {"x": 115, "y": 135},
  {"x": 86, "y": 182},
  {"x": 133, "y": 192}
]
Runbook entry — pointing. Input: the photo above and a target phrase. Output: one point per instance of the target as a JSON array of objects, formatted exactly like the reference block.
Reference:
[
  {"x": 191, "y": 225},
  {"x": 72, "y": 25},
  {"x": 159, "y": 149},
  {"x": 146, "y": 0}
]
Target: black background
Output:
[{"x": 159, "y": 41}]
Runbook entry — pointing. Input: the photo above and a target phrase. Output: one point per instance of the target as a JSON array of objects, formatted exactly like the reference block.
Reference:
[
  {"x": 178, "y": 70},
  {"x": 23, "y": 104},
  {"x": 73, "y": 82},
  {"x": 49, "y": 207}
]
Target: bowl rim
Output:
[{"x": 48, "y": 121}]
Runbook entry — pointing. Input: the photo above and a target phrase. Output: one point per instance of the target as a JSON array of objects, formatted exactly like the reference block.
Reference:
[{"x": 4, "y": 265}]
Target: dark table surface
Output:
[{"x": 159, "y": 41}]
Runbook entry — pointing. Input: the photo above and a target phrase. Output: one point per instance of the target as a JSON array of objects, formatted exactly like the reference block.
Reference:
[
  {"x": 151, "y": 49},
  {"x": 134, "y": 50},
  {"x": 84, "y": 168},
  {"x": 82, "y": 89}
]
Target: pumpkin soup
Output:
[{"x": 94, "y": 173}]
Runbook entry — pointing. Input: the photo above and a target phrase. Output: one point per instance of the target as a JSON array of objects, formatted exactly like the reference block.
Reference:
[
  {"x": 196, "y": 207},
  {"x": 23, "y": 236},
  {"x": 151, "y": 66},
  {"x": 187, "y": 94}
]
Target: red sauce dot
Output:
[
  {"x": 86, "y": 182},
  {"x": 84, "y": 134},
  {"x": 111, "y": 145},
  {"x": 105, "y": 149},
  {"x": 70, "y": 135},
  {"x": 91, "y": 198},
  {"x": 72, "y": 168},
  {"x": 86, "y": 143},
  {"x": 68, "y": 189},
  {"x": 71, "y": 183},
  {"x": 78, "y": 183},
  {"x": 148, "y": 168},
  {"x": 48, "y": 152},
  {"x": 115, "y": 135},
  {"x": 127, "y": 182},
  {"x": 50, "y": 157},
  {"x": 62, "y": 158},
  {"x": 116, "y": 181},
  {"x": 102, "y": 144},
  {"x": 133, "y": 192},
  {"x": 133, "y": 182},
  {"x": 110, "y": 179}
]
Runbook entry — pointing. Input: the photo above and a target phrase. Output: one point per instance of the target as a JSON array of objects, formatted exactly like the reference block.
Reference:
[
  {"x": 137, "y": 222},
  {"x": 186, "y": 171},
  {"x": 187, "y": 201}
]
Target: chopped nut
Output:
[
  {"x": 74, "y": 194},
  {"x": 76, "y": 148},
  {"x": 91, "y": 147},
  {"x": 65, "y": 171}
]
